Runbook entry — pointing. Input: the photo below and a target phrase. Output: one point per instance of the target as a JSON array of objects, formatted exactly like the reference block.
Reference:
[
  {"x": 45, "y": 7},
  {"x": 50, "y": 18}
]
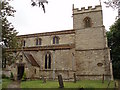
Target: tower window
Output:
[
  {"x": 48, "y": 61},
  {"x": 87, "y": 22},
  {"x": 55, "y": 40},
  {"x": 38, "y": 41}
]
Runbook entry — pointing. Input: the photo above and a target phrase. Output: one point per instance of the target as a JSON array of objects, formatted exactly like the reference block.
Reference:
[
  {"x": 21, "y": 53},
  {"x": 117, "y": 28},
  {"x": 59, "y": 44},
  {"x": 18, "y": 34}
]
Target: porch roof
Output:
[{"x": 31, "y": 59}]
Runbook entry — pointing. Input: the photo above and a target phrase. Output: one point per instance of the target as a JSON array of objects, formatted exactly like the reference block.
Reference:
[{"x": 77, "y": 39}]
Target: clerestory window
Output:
[
  {"x": 38, "y": 41},
  {"x": 23, "y": 43},
  {"x": 56, "y": 40}
]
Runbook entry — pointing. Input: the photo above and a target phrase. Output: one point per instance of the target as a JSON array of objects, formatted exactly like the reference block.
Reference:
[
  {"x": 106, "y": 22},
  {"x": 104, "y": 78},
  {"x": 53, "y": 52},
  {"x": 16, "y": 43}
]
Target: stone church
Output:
[{"x": 82, "y": 50}]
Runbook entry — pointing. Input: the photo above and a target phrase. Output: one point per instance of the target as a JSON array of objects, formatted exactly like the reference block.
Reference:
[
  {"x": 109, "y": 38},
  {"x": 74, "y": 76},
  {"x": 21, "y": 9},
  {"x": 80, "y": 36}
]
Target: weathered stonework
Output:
[{"x": 83, "y": 51}]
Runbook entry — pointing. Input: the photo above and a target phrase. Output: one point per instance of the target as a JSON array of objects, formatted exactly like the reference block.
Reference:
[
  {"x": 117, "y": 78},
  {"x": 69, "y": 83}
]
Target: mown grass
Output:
[
  {"x": 5, "y": 83},
  {"x": 55, "y": 84},
  {"x": 0, "y": 86},
  {"x": 0, "y": 83}
]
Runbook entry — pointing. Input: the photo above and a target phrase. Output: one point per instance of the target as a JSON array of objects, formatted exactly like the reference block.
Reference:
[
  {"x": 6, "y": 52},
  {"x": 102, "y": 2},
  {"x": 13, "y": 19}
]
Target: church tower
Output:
[{"x": 92, "y": 54}]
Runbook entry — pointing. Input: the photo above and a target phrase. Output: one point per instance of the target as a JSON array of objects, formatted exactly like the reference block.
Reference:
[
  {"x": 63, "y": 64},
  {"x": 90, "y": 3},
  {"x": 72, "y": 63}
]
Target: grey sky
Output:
[{"x": 58, "y": 15}]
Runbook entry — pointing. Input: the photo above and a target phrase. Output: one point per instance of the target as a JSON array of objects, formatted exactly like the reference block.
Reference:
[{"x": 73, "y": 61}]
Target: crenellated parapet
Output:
[{"x": 89, "y": 9}]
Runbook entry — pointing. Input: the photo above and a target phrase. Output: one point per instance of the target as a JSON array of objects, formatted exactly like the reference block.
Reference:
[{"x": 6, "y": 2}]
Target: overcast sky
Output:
[{"x": 58, "y": 15}]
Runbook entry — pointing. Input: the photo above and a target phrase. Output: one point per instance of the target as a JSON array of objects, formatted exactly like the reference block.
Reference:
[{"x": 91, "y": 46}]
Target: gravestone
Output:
[
  {"x": 61, "y": 85},
  {"x": 44, "y": 79},
  {"x": 108, "y": 84},
  {"x": 74, "y": 78},
  {"x": 118, "y": 84},
  {"x": 115, "y": 84},
  {"x": 103, "y": 78}
]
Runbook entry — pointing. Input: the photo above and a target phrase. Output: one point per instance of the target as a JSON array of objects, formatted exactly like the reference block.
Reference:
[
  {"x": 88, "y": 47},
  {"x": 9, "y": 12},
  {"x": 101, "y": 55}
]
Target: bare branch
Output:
[{"x": 39, "y": 3}]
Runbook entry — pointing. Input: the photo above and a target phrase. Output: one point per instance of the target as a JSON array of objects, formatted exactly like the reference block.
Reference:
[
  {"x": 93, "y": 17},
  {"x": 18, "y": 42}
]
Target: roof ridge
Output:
[
  {"x": 49, "y": 33},
  {"x": 31, "y": 60}
]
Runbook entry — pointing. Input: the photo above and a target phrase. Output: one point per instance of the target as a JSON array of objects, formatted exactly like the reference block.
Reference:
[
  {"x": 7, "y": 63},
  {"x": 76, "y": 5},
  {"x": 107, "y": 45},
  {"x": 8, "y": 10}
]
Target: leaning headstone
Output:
[
  {"x": 61, "y": 85},
  {"x": 103, "y": 78},
  {"x": 118, "y": 84},
  {"x": 108, "y": 84},
  {"x": 115, "y": 84},
  {"x": 44, "y": 79},
  {"x": 82, "y": 88},
  {"x": 74, "y": 78}
]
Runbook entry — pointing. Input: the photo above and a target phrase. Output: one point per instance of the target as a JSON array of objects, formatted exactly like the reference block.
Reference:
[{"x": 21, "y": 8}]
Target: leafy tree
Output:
[
  {"x": 8, "y": 32},
  {"x": 114, "y": 43}
]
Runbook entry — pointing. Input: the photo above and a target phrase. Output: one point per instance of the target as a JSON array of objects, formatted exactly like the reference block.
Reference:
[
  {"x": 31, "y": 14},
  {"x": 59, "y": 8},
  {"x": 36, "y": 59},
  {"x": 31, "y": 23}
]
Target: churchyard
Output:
[
  {"x": 55, "y": 84},
  {"x": 78, "y": 84}
]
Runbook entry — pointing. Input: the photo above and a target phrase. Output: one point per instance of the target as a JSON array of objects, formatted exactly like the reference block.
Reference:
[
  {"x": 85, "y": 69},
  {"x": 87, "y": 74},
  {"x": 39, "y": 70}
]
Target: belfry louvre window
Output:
[
  {"x": 38, "y": 41},
  {"x": 87, "y": 22},
  {"x": 56, "y": 40},
  {"x": 48, "y": 61}
]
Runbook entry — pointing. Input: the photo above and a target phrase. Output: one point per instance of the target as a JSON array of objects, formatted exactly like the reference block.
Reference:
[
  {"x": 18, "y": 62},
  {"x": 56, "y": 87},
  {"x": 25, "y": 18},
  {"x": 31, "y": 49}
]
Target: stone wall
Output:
[
  {"x": 7, "y": 73},
  {"x": 90, "y": 38},
  {"x": 92, "y": 63},
  {"x": 53, "y": 74}
]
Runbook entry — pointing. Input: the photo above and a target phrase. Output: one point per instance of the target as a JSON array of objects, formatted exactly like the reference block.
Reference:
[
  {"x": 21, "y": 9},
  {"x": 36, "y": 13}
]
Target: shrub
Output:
[
  {"x": 24, "y": 77},
  {"x": 4, "y": 76},
  {"x": 12, "y": 76}
]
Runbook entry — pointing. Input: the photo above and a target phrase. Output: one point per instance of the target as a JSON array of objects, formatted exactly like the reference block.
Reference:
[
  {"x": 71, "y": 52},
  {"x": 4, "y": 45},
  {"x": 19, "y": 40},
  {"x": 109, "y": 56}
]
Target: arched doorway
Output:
[{"x": 20, "y": 71}]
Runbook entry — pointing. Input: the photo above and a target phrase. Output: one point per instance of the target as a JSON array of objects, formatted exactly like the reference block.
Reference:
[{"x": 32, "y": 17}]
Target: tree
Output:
[
  {"x": 114, "y": 43},
  {"x": 39, "y": 3},
  {"x": 8, "y": 33},
  {"x": 113, "y": 3}
]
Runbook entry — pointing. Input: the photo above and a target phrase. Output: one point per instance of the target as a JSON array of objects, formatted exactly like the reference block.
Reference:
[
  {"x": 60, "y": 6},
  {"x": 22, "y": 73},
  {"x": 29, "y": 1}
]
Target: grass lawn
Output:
[
  {"x": 55, "y": 84},
  {"x": 0, "y": 83},
  {"x": 5, "y": 83},
  {"x": 0, "y": 86}
]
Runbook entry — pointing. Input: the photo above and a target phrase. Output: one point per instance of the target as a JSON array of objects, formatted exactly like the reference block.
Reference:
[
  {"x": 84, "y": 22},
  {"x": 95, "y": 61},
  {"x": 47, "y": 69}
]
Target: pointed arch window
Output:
[
  {"x": 56, "y": 40},
  {"x": 87, "y": 22},
  {"x": 24, "y": 43},
  {"x": 35, "y": 71},
  {"x": 38, "y": 41},
  {"x": 48, "y": 61}
]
